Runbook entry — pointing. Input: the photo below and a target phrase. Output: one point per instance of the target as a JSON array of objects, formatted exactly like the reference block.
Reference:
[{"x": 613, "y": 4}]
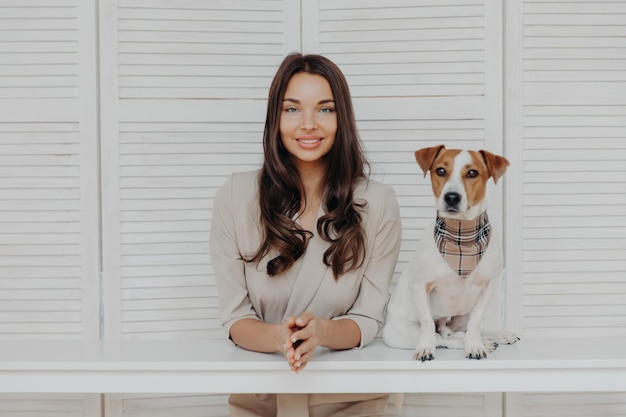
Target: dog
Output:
[{"x": 441, "y": 297}]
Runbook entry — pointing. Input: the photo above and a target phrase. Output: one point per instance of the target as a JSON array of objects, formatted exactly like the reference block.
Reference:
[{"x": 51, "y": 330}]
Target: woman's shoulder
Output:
[
  {"x": 241, "y": 181},
  {"x": 247, "y": 181},
  {"x": 245, "y": 178},
  {"x": 373, "y": 189},
  {"x": 239, "y": 185},
  {"x": 379, "y": 196}
]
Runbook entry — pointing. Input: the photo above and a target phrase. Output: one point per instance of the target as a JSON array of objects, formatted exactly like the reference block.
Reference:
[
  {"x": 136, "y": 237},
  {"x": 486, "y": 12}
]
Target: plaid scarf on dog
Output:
[{"x": 462, "y": 242}]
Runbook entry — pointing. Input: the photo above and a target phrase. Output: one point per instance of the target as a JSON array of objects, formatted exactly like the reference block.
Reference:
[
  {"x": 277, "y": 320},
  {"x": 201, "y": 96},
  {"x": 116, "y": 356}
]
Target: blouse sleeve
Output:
[
  {"x": 228, "y": 267},
  {"x": 369, "y": 308}
]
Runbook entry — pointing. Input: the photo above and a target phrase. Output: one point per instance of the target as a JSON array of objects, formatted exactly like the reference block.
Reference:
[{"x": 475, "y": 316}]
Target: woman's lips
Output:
[{"x": 309, "y": 141}]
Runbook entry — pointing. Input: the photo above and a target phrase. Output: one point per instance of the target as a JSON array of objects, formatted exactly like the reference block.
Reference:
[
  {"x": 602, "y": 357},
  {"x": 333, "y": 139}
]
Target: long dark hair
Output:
[{"x": 281, "y": 189}]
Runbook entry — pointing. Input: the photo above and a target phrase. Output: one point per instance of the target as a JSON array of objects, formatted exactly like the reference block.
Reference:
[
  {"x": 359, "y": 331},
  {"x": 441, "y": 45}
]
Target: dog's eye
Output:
[
  {"x": 472, "y": 173},
  {"x": 441, "y": 172}
]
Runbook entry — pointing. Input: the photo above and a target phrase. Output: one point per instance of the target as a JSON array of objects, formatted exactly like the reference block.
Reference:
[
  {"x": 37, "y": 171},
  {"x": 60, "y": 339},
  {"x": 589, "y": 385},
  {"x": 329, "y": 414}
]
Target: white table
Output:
[{"x": 216, "y": 366}]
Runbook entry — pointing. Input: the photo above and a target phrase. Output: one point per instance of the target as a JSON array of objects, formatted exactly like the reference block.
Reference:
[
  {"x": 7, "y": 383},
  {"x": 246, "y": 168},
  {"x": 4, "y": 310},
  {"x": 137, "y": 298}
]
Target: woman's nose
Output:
[{"x": 308, "y": 121}]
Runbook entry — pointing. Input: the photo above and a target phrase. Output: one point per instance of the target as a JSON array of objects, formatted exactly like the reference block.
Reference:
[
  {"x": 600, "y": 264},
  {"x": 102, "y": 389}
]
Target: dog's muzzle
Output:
[{"x": 452, "y": 199}]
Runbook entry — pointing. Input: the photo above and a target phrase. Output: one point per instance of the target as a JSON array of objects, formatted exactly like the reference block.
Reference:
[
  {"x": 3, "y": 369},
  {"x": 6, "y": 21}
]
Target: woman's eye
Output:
[
  {"x": 441, "y": 172},
  {"x": 472, "y": 173},
  {"x": 290, "y": 110},
  {"x": 327, "y": 110}
]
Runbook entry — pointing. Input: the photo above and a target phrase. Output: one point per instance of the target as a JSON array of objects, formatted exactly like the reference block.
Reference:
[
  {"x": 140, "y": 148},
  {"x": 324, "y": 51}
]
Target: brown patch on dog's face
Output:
[
  {"x": 442, "y": 169},
  {"x": 475, "y": 176}
]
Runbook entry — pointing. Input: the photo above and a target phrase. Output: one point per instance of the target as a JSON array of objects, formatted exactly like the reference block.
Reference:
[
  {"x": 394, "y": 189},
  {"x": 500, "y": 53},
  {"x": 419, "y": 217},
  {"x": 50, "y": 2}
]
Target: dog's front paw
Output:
[
  {"x": 503, "y": 337},
  {"x": 475, "y": 352},
  {"x": 490, "y": 344},
  {"x": 474, "y": 347},
  {"x": 426, "y": 347},
  {"x": 507, "y": 338},
  {"x": 424, "y": 354}
]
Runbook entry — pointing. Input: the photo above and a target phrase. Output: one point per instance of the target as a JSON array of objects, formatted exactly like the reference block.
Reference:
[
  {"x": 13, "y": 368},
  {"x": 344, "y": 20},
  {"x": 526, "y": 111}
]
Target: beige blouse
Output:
[{"x": 245, "y": 289}]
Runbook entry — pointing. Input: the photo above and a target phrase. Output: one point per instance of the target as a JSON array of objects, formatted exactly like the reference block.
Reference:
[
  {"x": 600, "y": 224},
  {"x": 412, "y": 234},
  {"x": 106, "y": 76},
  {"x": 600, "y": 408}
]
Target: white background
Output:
[{"x": 119, "y": 119}]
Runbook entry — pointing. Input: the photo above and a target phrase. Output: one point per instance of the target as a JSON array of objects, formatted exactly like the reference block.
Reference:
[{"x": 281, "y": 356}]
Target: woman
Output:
[{"x": 303, "y": 250}]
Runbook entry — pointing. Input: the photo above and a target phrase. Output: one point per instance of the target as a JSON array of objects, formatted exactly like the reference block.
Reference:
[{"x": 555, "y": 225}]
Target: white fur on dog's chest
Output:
[
  {"x": 454, "y": 296},
  {"x": 450, "y": 294}
]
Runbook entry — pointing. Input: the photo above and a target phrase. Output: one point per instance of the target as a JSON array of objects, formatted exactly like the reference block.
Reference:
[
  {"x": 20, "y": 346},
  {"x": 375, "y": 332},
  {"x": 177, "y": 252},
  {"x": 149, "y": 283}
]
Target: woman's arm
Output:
[
  {"x": 228, "y": 267},
  {"x": 333, "y": 334},
  {"x": 384, "y": 236},
  {"x": 341, "y": 334},
  {"x": 259, "y": 336}
]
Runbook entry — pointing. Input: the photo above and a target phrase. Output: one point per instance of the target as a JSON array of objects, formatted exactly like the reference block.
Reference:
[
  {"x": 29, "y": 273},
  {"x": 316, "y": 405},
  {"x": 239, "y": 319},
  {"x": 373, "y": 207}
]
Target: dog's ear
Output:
[
  {"x": 496, "y": 164},
  {"x": 426, "y": 156}
]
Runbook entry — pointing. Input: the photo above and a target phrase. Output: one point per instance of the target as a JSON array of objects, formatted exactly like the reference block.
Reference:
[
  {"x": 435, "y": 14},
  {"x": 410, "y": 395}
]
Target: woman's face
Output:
[{"x": 308, "y": 122}]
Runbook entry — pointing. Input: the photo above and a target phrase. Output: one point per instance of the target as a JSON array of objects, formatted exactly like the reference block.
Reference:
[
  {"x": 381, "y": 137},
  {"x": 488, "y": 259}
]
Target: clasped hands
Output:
[{"x": 299, "y": 337}]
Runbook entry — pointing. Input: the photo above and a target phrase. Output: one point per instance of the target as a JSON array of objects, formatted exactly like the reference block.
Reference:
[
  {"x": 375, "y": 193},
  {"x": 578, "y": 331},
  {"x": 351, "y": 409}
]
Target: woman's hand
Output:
[
  {"x": 289, "y": 342},
  {"x": 300, "y": 337},
  {"x": 309, "y": 332},
  {"x": 285, "y": 345}
]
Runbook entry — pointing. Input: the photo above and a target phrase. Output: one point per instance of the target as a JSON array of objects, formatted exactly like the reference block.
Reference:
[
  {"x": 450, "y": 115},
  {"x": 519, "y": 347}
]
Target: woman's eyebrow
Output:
[{"x": 293, "y": 100}]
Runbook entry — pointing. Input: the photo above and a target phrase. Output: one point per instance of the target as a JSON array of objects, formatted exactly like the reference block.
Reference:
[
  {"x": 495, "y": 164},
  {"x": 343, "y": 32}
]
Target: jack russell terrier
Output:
[{"x": 441, "y": 297}]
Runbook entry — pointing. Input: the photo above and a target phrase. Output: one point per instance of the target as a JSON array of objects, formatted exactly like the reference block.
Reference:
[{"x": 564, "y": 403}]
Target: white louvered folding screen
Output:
[
  {"x": 566, "y": 63},
  {"x": 48, "y": 187},
  {"x": 49, "y": 254},
  {"x": 181, "y": 102},
  {"x": 573, "y": 130}
]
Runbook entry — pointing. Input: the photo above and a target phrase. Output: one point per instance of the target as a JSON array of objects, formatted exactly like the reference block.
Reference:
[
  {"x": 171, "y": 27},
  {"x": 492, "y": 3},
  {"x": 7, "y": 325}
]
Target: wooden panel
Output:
[
  {"x": 571, "y": 121},
  {"x": 167, "y": 405},
  {"x": 48, "y": 171},
  {"x": 49, "y": 249},
  {"x": 572, "y": 220},
  {"x": 450, "y": 405},
  {"x": 50, "y": 405},
  {"x": 580, "y": 405}
]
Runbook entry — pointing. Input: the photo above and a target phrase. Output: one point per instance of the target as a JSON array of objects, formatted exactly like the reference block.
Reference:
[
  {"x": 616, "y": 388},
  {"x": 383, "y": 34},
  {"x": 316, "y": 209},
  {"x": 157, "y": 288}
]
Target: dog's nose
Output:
[{"x": 452, "y": 198}]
